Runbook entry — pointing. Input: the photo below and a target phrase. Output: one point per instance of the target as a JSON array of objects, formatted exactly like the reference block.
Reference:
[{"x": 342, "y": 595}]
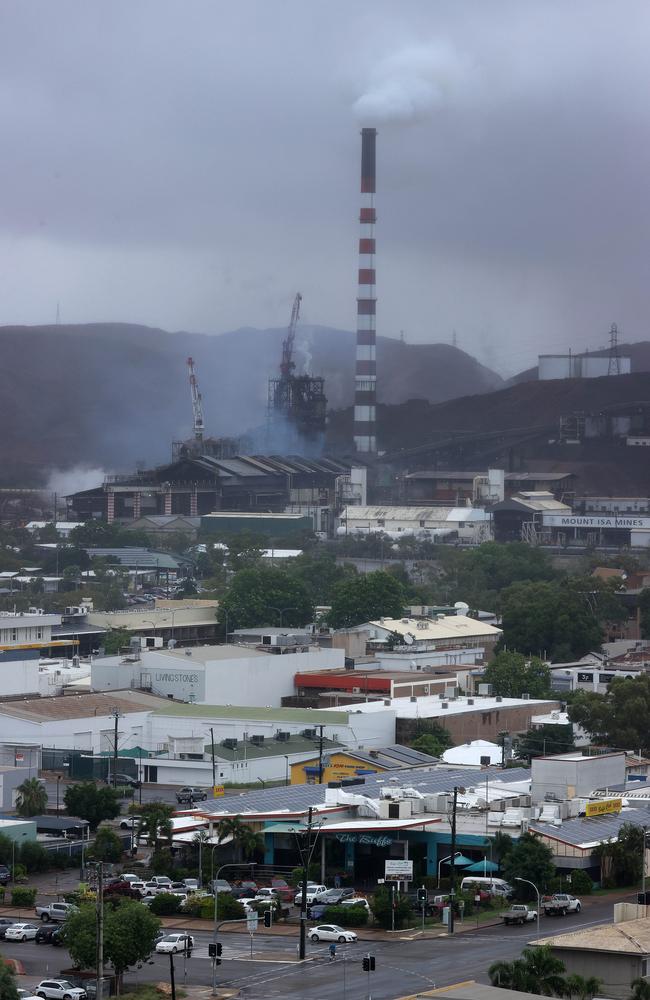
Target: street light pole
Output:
[
  {"x": 539, "y": 898},
  {"x": 251, "y": 864},
  {"x": 452, "y": 888}
]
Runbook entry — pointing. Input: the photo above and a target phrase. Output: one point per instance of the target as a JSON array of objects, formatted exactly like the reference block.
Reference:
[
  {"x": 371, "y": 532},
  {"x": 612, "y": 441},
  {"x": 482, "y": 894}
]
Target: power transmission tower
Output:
[{"x": 614, "y": 363}]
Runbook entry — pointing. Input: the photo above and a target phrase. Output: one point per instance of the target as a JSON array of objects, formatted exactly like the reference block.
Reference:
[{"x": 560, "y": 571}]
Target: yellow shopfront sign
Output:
[{"x": 604, "y": 806}]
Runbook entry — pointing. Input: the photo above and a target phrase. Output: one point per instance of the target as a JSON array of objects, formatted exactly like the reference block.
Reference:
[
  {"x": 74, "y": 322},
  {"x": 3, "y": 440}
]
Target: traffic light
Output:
[
  {"x": 214, "y": 951},
  {"x": 268, "y": 917},
  {"x": 422, "y": 895},
  {"x": 369, "y": 963}
]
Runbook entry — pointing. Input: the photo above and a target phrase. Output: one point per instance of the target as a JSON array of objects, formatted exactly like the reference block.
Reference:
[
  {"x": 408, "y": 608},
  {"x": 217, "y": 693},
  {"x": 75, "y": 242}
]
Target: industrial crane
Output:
[
  {"x": 288, "y": 364},
  {"x": 197, "y": 403}
]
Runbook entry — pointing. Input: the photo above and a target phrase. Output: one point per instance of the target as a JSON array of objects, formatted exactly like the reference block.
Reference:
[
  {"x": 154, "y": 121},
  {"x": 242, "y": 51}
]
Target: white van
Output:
[{"x": 495, "y": 886}]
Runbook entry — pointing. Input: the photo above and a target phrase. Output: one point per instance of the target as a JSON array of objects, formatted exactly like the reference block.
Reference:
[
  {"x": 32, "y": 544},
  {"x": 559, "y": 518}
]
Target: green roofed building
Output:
[{"x": 234, "y": 522}]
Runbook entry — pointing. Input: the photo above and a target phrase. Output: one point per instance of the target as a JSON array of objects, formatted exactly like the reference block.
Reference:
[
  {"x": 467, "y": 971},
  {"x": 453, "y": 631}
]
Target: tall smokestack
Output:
[{"x": 365, "y": 373}]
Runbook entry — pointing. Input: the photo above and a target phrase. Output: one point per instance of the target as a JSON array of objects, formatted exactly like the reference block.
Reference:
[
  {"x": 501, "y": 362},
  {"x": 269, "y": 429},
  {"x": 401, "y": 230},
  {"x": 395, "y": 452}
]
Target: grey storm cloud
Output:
[{"x": 191, "y": 164}]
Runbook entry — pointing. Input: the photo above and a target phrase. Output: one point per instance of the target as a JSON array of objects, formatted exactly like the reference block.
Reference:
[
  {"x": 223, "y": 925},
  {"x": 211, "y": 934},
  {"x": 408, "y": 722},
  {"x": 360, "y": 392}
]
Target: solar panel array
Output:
[
  {"x": 589, "y": 829},
  {"x": 300, "y": 797}
]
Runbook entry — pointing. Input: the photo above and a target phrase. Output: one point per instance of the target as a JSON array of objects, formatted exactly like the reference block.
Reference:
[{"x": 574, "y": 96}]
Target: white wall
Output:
[
  {"x": 18, "y": 677},
  {"x": 83, "y": 733}
]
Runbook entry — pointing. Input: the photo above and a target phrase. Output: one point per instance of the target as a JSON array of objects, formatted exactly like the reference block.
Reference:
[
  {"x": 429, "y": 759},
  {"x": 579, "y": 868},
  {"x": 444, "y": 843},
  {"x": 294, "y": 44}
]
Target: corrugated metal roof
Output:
[{"x": 588, "y": 831}]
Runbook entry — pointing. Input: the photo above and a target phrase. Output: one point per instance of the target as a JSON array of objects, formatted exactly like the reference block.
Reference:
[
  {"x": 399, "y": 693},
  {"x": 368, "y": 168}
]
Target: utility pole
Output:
[
  {"x": 452, "y": 891},
  {"x": 116, "y": 714},
  {"x": 100, "y": 931},
  {"x": 305, "y": 857},
  {"x": 320, "y": 756},
  {"x": 172, "y": 981},
  {"x": 214, "y": 766}
]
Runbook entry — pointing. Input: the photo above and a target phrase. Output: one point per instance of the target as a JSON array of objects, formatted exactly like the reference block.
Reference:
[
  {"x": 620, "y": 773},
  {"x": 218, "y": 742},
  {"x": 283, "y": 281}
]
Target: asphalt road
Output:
[{"x": 403, "y": 966}]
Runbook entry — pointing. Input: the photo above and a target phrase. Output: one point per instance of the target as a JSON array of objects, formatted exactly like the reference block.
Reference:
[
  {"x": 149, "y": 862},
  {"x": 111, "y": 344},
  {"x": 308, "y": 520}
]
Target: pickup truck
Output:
[
  {"x": 54, "y": 911},
  {"x": 519, "y": 913},
  {"x": 561, "y": 904}
]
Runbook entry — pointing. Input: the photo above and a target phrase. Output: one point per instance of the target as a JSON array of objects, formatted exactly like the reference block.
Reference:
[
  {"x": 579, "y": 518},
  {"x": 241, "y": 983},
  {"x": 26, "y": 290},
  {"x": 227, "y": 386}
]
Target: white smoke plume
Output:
[
  {"x": 66, "y": 481},
  {"x": 408, "y": 85}
]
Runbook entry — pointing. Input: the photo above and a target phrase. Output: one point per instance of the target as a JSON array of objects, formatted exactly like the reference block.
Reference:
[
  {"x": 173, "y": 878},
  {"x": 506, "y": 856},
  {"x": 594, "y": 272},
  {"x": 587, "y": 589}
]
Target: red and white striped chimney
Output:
[{"x": 365, "y": 373}]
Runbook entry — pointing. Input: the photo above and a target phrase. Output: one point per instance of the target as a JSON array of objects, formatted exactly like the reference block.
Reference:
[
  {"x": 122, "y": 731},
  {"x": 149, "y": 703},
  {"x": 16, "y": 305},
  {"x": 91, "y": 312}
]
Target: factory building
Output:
[{"x": 467, "y": 524}]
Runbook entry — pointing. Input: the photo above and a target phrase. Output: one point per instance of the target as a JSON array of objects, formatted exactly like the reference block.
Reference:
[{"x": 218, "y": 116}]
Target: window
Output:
[
  {"x": 14, "y": 635},
  {"x": 39, "y": 632},
  {"x": 381, "y": 522},
  {"x": 422, "y": 524}
]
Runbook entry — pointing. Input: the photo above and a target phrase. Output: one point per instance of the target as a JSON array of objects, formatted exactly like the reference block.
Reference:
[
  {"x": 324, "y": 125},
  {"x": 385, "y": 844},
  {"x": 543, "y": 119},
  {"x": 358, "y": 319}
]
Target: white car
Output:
[
  {"x": 21, "y": 932},
  {"x": 332, "y": 932},
  {"x": 59, "y": 989},
  {"x": 267, "y": 894},
  {"x": 130, "y": 877},
  {"x": 246, "y": 902},
  {"x": 25, "y": 994},
  {"x": 191, "y": 884},
  {"x": 174, "y": 943},
  {"x": 313, "y": 892},
  {"x": 356, "y": 901}
]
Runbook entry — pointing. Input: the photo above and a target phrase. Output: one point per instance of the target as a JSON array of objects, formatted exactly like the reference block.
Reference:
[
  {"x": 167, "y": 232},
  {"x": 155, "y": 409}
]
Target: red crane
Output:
[{"x": 287, "y": 364}]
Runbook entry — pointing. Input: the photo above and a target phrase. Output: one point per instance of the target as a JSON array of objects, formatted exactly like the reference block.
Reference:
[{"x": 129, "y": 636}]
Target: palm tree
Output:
[
  {"x": 201, "y": 838},
  {"x": 156, "y": 823},
  {"x": 501, "y": 845},
  {"x": 32, "y": 798},
  {"x": 584, "y": 988},
  {"x": 537, "y": 971},
  {"x": 640, "y": 989},
  {"x": 245, "y": 841}
]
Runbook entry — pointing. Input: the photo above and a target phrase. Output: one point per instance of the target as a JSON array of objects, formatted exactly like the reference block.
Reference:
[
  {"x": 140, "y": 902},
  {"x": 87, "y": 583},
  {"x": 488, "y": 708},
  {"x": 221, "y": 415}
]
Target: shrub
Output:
[
  {"x": 193, "y": 906},
  {"x": 227, "y": 907},
  {"x": 108, "y": 846},
  {"x": 22, "y": 895},
  {"x": 346, "y": 916},
  {"x": 34, "y": 856},
  {"x": 382, "y": 910},
  {"x": 165, "y": 904},
  {"x": 581, "y": 884}
]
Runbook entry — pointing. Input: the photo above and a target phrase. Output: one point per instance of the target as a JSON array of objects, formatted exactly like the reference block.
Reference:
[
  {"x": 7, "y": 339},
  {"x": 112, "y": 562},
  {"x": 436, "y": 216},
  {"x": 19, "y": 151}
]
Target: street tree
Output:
[
  {"x": 531, "y": 856},
  {"x": 512, "y": 674},
  {"x": 621, "y": 859},
  {"x": 129, "y": 935},
  {"x": 108, "y": 845},
  {"x": 245, "y": 841},
  {"x": 618, "y": 718},
  {"x": 156, "y": 823},
  {"x": 92, "y": 802},
  {"x": 115, "y": 640},
  {"x": 550, "y": 618},
  {"x": 265, "y": 595},
  {"x": 31, "y": 799},
  {"x": 8, "y": 988},
  {"x": 366, "y": 597},
  {"x": 537, "y": 971},
  {"x": 547, "y": 739},
  {"x": 432, "y": 738},
  {"x": 502, "y": 844}
]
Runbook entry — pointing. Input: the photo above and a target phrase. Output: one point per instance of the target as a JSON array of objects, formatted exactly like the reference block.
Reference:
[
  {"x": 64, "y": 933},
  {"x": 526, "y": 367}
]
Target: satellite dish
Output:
[
  {"x": 408, "y": 638},
  {"x": 461, "y": 607}
]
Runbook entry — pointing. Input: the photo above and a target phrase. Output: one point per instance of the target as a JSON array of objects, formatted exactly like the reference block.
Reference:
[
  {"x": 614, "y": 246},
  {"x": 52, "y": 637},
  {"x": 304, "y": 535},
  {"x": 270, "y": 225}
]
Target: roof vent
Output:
[
  {"x": 470, "y": 701},
  {"x": 526, "y": 696},
  {"x": 386, "y": 701},
  {"x": 445, "y": 704},
  {"x": 498, "y": 698},
  {"x": 413, "y": 698}
]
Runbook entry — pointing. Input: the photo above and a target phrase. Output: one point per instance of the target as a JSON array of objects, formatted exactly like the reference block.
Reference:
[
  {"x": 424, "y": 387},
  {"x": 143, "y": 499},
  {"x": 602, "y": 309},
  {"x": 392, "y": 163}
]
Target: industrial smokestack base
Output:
[{"x": 365, "y": 373}]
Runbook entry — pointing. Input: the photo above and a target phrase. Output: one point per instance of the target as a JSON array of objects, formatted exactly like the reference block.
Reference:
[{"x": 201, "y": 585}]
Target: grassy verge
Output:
[{"x": 148, "y": 992}]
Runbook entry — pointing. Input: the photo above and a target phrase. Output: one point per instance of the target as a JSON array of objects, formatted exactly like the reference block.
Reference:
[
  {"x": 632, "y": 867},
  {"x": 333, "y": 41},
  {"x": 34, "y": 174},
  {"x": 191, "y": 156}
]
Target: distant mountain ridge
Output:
[{"x": 111, "y": 394}]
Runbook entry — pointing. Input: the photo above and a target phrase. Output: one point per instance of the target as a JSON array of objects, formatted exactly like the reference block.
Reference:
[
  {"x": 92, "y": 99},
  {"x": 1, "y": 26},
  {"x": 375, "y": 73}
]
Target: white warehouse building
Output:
[{"x": 469, "y": 524}]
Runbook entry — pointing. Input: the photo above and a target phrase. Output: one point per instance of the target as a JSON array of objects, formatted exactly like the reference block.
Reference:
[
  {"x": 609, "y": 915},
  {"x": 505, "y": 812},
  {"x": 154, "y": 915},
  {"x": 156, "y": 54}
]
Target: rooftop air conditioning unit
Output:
[
  {"x": 498, "y": 698},
  {"x": 526, "y": 696},
  {"x": 356, "y": 690},
  {"x": 444, "y": 704},
  {"x": 470, "y": 701},
  {"x": 309, "y": 734},
  {"x": 230, "y": 743},
  {"x": 412, "y": 698},
  {"x": 485, "y": 690},
  {"x": 257, "y": 739},
  {"x": 386, "y": 701},
  {"x": 283, "y": 737}
]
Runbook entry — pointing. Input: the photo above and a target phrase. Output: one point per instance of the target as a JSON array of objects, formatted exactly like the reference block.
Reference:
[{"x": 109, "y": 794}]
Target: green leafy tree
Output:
[
  {"x": 546, "y": 740},
  {"x": 530, "y": 855},
  {"x": 319, "y": 573},
  {"x": 156, "y": 823},
  {"x": 366, "y": 597},
  {"x": 479, "y": 575},
  {"x": 108, "y": 846},
  {"x": 31, "y": 799},
  {"x": 435, "y": 739},
  {"x": 129, "y": 935},
  {"x": 618, "y": 718},
  {"x": 621, "y": 859},
  {"x": 502, "y": 844},
  {"x": 537, "y": 971},
  {"x": 551, "y": 618},
  {"x": 245, "y": 841},
  {"x": 91, "y": 802},
  {"x": 188, "y": 588},
  {"x": 382, "y": 908},
  {"x": 246, "y": 550},
  {"x": 511, "y": 674},
  {"x": 8, "y": 988},
  {"x": 115, "y": 640},
  {"x": 265, "y": 596}
]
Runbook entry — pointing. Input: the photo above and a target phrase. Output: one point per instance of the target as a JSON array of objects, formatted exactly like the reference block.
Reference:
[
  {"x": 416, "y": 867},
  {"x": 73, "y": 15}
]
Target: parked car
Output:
[
  {"x": 120, "y": 887},
  {"x": 334, "y": 896},
  {"x": 130, "y": 877},
  {"x": 560, "y": 904},
  {"x": 317, "y": 911},
  {"x": 174, "y": 943},
  {"x": 59, "y": 989},
  {"x": 519, "y": 913},
  {"x": 313, "y": 891},
  {"x": 247, "y": 903},
  {"x": 161, "y": 880},
  {"x": 124, "y": 780},
  {"x": 54, "y": 911},
  {"x": 191, "y": 884},
  {"x": 129, "y": 822},
  {"x": 21, "y": 932},
  {"x": 220, "y": 885},
  {"x": 49, "y": 934},
  {"x": 265, "y": 893},
  {"x": 25, "y": 994},
  {"x": 283, "y": 889},
  {"x": 5, "y": 924},
  {"x": 5, "y": 875},
  {"x": 191, "y": 794},
  {"x": 356, "y": 901},
  {"x": 332, "y": 932}
]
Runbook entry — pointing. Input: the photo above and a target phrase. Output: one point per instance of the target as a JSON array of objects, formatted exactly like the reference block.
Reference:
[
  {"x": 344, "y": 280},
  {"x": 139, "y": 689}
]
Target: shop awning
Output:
[{"x": 483, "y": 867}]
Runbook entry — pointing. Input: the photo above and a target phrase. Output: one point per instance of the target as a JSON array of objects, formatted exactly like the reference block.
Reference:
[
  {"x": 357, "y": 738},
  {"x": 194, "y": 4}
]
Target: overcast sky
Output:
[{"x": 191, "y": 164}]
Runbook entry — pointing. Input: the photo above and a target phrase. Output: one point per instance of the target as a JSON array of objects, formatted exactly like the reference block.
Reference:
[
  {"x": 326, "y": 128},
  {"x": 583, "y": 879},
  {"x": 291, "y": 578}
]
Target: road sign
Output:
[
  {"x": 218, "y": 790},
  {"x": 252, "y": 920},
  {"x": 400, "y": 871}
]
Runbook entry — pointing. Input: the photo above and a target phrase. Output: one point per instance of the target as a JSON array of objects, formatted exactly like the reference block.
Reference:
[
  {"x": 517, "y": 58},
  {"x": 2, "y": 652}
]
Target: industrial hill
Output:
[{"x": 111, "y": 395}]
